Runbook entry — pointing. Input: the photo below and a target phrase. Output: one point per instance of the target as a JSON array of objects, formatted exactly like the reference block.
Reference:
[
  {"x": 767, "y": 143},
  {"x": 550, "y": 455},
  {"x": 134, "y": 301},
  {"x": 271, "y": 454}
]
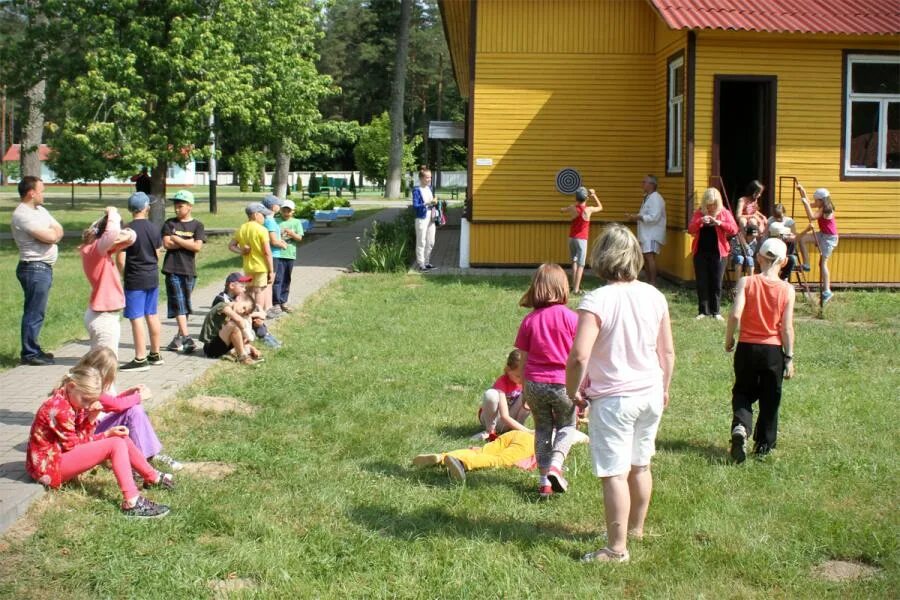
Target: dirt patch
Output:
[
  {"x": 223, "y": 588},
  {"x": 844, "y": 570},
  {"x": 220, "y": 405},
  {"x": 209, "y": 470}
]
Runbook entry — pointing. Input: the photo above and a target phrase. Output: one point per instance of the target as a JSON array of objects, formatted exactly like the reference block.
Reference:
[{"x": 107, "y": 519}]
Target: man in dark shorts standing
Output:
[{"x": 182, "y": 237}]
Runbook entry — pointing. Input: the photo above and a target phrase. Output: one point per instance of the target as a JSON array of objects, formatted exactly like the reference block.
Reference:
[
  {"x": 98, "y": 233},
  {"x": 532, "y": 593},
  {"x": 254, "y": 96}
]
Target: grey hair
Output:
[
  {"x": 617, "y": 254},
  {"x": 652, "y": 179}
]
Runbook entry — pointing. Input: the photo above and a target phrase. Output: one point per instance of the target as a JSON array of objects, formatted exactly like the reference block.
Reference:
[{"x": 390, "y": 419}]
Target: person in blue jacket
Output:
[{"x": 424, "y": 204}]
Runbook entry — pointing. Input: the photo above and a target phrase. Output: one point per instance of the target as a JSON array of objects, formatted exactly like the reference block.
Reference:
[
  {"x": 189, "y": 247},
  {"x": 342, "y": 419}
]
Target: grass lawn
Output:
[
  {"x": 68, "y": 297},
  {"x": 378, "y": 368}
]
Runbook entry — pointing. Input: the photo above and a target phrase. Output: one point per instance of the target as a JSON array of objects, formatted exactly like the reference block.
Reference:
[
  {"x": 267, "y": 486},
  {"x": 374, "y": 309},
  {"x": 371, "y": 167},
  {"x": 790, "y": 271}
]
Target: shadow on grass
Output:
[
  {"x": 460, "y": 431},
  {"x": 714, "y": 455},
  {"x": 439, "y": 522}
]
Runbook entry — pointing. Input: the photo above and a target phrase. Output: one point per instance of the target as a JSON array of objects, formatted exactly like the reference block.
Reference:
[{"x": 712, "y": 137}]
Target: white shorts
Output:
[
  {"x": 103, "y": 328},
  {"x": 651, "y": 246},
  {"x": 829, "y": 243},
  {"x": 623, "y": 432}
]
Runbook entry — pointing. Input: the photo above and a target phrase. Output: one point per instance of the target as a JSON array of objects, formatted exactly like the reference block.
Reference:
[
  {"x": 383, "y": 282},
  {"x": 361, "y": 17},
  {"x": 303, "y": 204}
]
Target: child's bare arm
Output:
[
  {"x": 734, "y": 317},
  {"x": 570, "y": 210},
  {"x": 787, "y": 333},
  {"x": 503, "y": 409}
]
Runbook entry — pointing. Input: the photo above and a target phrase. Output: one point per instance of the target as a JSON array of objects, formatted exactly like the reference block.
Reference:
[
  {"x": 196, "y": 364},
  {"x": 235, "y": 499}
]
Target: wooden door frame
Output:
[{"x": 769, "y": 160}]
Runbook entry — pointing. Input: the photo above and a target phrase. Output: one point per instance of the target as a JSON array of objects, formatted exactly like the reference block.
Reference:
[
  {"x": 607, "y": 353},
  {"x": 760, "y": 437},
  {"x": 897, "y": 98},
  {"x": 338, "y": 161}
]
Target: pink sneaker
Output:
[
  {"x": 544, "y": 492},
  {"x": 557, "y": 481}
]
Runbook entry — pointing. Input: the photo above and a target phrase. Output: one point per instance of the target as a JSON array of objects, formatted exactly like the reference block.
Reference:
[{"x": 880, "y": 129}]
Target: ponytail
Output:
[{"x": 87, "y": 380}]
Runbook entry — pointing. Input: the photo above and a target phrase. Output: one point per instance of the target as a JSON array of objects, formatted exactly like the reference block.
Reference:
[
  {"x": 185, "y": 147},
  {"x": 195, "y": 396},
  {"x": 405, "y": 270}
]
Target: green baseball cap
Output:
[{"x": 184, "y": 196}]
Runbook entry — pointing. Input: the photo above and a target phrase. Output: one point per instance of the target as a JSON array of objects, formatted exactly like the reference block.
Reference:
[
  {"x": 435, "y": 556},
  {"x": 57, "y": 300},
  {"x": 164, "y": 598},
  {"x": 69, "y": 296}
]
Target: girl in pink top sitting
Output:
[
  {"x": 100, "y": 243},
  {"x": 822, "y": 210},
  {"x": 545, "y": 338}
]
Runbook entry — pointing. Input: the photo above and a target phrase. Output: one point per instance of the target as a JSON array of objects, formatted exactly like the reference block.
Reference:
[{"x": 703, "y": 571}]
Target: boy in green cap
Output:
[{"x": 183, "y": 237}]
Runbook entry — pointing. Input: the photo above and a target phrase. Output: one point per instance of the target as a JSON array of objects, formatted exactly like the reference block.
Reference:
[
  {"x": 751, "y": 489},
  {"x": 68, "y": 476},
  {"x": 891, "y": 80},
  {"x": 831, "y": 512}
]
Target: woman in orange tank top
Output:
[{"x": 764, "y": 311}]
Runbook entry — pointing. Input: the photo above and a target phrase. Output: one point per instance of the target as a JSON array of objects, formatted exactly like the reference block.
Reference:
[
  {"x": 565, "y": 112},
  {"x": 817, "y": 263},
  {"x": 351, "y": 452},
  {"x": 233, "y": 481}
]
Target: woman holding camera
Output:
[
  {"x": 423, "y": 202},
  {"x": 99, "y": 244},
  {"x": 712, "y": 226}
]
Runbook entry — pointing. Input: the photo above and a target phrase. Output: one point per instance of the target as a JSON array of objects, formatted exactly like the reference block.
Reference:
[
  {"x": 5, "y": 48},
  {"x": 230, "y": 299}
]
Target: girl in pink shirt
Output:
[
  {"x": 545, "y": 338},
  {"x": 822, "y": 210},
  {"x": 100, "y": 243}
]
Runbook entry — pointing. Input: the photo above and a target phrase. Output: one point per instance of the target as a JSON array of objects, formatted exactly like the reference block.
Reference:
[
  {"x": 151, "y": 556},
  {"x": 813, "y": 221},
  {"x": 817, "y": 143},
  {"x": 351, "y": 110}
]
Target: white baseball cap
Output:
[
  {"x": 773, "y": 249},
  {"x": 288, "y": 204},
  {"x": 821, "y": 194}
]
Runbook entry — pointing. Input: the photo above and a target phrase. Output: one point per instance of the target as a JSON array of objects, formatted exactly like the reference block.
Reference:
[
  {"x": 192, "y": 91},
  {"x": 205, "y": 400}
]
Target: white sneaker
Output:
[
  {"x": 480, "y": 436},
  {"x": 168, "y": 461},
  {"x": 718, "y": 317},
  {"x": 698, "y": 317}
]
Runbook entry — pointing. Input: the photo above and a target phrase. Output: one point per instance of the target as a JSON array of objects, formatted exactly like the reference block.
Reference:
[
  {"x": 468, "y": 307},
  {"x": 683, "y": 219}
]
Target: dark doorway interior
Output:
[{"x": 745, "y": 136}]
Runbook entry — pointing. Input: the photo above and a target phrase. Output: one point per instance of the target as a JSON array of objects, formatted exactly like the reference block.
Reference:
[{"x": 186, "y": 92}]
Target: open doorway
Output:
[{"x": 744, "y": 135}]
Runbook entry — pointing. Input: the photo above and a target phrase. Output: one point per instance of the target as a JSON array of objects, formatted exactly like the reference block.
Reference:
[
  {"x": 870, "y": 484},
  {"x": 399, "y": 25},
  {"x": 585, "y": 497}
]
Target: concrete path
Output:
[{"x": 23, "y": 389}]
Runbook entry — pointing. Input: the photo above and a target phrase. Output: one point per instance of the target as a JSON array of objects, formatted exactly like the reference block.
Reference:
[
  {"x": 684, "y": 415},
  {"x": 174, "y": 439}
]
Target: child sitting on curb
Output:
[
  {"x": 502, "y": 407},
  {"x": 235, "y": 285},
  {"x": 126, "y": 408},
  {"x": 224, "y": 329},
  {"x": 63, "y": 444}
]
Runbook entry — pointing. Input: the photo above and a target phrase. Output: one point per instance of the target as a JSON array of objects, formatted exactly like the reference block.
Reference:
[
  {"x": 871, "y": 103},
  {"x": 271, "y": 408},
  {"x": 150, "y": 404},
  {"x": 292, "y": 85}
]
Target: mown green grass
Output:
[{"x": 378, "y": 368}]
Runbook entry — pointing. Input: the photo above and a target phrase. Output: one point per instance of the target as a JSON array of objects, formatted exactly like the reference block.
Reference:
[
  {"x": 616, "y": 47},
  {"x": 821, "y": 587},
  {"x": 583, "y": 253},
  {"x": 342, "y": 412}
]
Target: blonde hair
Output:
[
  {"x": 514, "y": 359},
  {"x": 712, "y": 196},
  {"x": 617, "y": 254},
  {"x": 104, "y": 360},
  {"x": 422, "y": 171},
  {"x": 548, "y": 286},
  {"x": 86, "y": 380}
]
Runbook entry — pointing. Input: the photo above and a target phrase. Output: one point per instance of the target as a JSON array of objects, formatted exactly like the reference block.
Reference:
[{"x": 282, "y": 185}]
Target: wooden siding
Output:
[
  {"x": 562, "y": 84},
  {"x": 810, "y": 98},
  {"x": 456, "y": 15},
  {"x": 565, "y": 27}
]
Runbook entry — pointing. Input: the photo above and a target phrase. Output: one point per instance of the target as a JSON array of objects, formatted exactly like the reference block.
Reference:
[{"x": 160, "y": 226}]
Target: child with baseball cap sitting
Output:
[
  {"x": 224, "y": 330},
  {"x": 235, "y": 285}
]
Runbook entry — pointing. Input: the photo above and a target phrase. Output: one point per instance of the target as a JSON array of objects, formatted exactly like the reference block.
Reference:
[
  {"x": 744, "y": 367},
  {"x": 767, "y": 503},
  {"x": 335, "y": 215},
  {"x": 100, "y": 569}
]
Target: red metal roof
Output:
[
  {"x": 854, "y": 17},
  {"x": 12, "y": 154}
]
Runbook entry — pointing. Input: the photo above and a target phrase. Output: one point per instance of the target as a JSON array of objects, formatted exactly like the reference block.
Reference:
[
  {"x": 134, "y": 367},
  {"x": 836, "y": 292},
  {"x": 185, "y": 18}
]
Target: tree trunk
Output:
[
  {"x": 282, "y": 166},
  {"x": 33, "y": 132},
  {"x": 158, "y": 192},
  {"x": 398, "y": 90},
  {"x": 100, "y": 189}
]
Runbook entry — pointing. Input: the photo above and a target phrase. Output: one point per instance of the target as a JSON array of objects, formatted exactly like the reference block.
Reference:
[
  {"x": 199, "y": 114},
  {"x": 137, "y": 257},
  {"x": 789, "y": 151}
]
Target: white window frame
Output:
[
  {"x": 883, "y": 100},
  {"x": 675, "y": 137}
]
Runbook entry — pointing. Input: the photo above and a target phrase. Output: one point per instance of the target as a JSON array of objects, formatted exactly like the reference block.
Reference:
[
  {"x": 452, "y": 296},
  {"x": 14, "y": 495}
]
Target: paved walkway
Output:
[{"x": 23, "y": 388}]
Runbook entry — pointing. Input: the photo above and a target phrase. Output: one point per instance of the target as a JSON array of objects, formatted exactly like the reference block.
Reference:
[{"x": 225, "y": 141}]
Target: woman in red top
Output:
[
  {"x": 579, "y": 231},
  {"x": 712, "y": 226},
  {"x": 764, "y": 311},
  {"x": 62, "y": 444}
]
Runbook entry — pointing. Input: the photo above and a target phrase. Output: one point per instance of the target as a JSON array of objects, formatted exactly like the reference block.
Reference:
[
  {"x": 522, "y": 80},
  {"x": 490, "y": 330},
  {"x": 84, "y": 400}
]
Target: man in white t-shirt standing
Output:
[
  {"x": 651, "y": 226},
  {"x": 36, "y": 233}
]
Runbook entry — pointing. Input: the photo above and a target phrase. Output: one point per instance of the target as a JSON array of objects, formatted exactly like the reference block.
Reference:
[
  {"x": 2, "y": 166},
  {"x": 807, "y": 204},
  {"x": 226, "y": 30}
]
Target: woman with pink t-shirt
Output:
[
  {"x": 99, "y": 244},
  {"x": 623, "y": 345},
  {"x": 545, "y": 338}
]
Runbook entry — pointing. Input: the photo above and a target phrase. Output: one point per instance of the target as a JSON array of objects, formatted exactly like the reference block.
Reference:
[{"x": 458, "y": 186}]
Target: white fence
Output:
[{"x": 448, "y": 178}]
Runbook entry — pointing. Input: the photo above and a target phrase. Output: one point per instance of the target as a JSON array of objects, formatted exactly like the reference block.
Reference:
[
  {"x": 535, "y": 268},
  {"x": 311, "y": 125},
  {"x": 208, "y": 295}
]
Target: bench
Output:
[
  {"x": 344, "y": 212},
  {"x": 325, "y": 216}
]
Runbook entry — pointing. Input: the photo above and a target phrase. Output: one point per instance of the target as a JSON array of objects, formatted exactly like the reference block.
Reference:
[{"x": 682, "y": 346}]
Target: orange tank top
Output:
[{"x": 764, "y": 302}]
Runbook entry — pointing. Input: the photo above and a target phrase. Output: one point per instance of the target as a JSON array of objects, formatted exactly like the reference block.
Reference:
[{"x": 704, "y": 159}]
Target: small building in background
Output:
[{"x": 697, "y": 92}]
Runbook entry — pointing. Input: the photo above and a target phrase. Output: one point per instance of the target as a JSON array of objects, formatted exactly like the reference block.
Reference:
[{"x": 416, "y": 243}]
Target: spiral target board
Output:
[{"x": 568, "y": 180}]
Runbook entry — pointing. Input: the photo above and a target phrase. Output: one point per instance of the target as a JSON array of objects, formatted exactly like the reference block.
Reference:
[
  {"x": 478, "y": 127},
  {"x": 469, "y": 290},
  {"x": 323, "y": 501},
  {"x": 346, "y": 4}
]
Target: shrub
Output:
[
  {"x": 314, "y": 185},
  {"x": 387, "y": 247}
]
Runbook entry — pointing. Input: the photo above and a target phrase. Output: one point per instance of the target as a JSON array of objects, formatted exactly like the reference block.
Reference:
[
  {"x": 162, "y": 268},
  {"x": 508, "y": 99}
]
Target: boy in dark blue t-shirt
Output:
[{"x": 141, "y": 283}]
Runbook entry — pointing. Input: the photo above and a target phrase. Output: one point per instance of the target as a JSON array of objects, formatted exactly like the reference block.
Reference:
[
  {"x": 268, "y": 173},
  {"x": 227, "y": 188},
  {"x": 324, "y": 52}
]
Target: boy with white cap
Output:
[
  {"x": 764, "y": 310},
  {"x": 140, "y": 268},
  {"x": 251, "y": 241},
  {"x": 182, "y": 237},
  {"x": 291, "y": 233}
]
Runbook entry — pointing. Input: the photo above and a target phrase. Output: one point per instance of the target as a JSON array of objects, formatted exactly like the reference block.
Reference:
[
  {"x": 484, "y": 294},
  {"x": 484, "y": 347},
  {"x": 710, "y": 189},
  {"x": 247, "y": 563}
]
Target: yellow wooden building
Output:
[{"x": 618, "y": 89}]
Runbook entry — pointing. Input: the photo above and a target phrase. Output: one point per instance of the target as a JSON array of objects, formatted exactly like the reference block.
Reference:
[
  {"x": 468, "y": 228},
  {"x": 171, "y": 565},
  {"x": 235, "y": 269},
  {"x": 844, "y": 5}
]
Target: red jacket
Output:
[
  {"x": 724, "y": 232},
  {"x": 57, "y": 428}
]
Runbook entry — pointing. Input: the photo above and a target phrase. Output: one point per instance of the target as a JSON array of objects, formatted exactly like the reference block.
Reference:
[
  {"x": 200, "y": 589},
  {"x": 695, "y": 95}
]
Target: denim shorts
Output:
[
  {"x": 178, "y": 290},
  {"x": 828, "y": 243},
  {"x": 141, "y": 303},
  {"x": 578, "y": 250}
]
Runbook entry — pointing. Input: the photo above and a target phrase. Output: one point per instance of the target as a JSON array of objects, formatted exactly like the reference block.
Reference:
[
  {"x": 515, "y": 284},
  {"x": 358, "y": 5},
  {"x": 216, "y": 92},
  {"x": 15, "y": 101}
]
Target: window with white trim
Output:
[
  {"x": 675, "y": 115},
  {"x": 872, "y": 115}
]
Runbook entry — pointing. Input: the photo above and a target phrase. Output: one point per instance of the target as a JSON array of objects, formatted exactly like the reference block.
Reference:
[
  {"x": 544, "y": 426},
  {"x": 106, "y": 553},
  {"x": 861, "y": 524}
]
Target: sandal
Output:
[{"x": 605, "y": 555}]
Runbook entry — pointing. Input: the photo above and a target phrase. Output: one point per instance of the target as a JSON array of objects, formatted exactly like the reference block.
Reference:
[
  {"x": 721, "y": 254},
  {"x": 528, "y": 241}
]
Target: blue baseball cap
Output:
[
  {"x": 270, "y": 201},
  {"x": 138, "y": 202}
]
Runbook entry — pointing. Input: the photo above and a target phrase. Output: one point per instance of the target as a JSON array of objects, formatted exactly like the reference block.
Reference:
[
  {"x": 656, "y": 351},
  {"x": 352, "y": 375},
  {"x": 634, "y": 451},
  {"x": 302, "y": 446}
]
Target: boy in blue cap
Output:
[
  {"x": 141, "y": 284},
  {"x": 182, "y": 237}
]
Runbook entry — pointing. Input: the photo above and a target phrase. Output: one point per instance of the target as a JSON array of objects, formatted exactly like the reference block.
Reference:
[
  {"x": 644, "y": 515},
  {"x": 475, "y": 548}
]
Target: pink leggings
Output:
[{"x": 123, "y": 454}]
